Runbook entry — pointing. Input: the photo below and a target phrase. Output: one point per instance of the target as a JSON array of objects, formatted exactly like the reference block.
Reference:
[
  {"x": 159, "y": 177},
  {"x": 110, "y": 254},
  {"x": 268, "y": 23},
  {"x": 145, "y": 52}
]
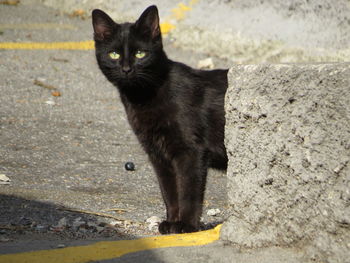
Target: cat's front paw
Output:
[{"x": 167, "y": 227}]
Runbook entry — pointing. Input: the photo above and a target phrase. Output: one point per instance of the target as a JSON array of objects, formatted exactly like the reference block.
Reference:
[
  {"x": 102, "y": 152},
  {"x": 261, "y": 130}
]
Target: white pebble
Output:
[
  {"x": 62, "y": 222},
  {"x": 4, "y": 179},
  {"x": 213, "y": 212},
  {"x": 50, "y": 102},
  {"x": 206, "y": 63},
  {"x": 153, "y": 221}
]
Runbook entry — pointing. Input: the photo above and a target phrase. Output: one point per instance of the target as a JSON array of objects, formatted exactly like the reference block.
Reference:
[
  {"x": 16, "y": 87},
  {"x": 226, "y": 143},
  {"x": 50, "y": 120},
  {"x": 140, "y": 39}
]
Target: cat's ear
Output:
[
  {"x": 148, "y": 23},
  {"x": 103, "y": 25}
]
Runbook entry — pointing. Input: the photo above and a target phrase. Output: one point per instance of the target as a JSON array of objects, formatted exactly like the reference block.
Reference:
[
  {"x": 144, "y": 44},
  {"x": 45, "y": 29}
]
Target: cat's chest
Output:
[
  {"x": 157, "y": 130},
  {"x": 147, "y": 122}
]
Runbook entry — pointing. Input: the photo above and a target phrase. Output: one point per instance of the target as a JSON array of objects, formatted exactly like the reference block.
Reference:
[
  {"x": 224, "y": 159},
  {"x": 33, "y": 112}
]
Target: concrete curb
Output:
[{"x": 287, "y": 137}]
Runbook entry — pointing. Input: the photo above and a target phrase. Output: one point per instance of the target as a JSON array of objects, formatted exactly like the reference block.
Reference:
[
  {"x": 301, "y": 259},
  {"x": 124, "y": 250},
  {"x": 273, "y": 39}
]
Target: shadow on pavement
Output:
[{"x": 28, "y": 225}]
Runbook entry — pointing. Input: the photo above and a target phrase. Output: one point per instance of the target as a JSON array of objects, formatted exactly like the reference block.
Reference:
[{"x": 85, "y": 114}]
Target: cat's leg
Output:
[
  {"x": 218, "y": 160},
  {"x": 191, "y": 172},
  {"x": 167, "y": 182}
]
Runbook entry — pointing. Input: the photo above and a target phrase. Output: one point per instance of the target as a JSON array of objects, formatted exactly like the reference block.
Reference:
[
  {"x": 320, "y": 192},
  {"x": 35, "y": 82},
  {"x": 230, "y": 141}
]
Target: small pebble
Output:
[
  {"x": 153, "y": 221},
  {"x": 78, "y": 219},
  {"x": 99, "y": 229},
  {"x": 62, "y": 222},
  {"x": 91, "y": 224},
  {"x": 213, "y": 212},
  {"x": 115, "y": 222},
  {"x": 41, "y": 228},
  {"x": 206, "y": 64},
  {"x": 4, "y": 179},
  {"x": 102, "y": 223},
  {"x": 77, "y": 224},
  {"x": 61, "y": 246},
  {"x": 4, "y": 239},
  {"x": 83, "y": 230},
  {"x": 57, "y": 229},
  {"x": 129, "y": 166},
  {"x": 25, "y": 221},
  {"x": 41, "y": 79},
  {"x": 50, "y": 102}
]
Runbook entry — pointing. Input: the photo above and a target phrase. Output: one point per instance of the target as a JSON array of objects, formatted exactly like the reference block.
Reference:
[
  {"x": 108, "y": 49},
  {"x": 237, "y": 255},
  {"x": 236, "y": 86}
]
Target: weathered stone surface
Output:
[{"x": 288, "y": 141}]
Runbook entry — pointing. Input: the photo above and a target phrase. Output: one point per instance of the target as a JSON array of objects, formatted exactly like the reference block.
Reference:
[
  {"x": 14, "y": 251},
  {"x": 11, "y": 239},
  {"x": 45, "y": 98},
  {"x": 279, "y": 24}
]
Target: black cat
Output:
[{"x": 176, "y": 112}]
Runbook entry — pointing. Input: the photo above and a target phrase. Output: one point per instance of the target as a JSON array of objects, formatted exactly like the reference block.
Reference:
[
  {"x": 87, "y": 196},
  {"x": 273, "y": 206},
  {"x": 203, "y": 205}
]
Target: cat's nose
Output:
[{"x": 126, "y": 69}]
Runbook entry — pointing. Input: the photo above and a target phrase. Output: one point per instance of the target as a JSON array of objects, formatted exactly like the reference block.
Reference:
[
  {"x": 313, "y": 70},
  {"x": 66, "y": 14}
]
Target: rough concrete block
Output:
[{"x": 288, "y": 141}]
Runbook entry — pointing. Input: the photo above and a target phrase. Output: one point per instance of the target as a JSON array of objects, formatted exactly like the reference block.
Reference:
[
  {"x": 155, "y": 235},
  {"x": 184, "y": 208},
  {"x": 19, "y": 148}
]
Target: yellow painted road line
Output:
[
  {"x": 178, "y": 13},
  {"x": 37, "y": 26},
  {"x": 166, "y": 27},
  {"x": 82, "y": 45},
  {"x": 112, "y": 249}
]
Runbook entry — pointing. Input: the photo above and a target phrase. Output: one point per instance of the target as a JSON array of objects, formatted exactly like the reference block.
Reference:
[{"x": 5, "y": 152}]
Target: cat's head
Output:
[{"x": 130, "y": 52}]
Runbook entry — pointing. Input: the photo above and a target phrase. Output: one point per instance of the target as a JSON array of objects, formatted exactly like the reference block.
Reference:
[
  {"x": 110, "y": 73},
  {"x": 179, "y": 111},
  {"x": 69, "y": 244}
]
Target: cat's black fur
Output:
[{"x": 176, "y": 112}]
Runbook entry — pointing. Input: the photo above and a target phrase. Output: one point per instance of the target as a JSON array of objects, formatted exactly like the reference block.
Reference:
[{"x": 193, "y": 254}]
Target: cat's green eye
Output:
[
  {"x": 140, "y": 54},
  {"x": 114, "y": 55}
]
